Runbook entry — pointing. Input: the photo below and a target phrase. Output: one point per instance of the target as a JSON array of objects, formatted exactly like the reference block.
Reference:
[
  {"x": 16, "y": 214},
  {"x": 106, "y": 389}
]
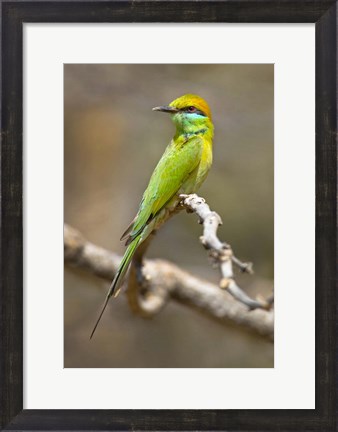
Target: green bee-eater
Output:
[{"x": 181, "y": 170}]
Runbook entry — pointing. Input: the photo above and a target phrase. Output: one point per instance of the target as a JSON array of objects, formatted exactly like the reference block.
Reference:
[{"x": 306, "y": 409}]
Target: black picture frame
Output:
[{"x": 13, "y": 15}]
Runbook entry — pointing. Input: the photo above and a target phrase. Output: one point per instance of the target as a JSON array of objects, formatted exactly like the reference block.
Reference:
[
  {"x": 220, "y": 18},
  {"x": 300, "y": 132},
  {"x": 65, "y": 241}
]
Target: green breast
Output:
[{"x": 197, "y": 177}]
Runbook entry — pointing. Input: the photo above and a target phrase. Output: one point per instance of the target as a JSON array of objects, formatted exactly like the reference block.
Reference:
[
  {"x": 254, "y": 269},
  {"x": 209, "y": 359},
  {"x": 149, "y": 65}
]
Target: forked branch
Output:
[{"x": 152, "y": 283}]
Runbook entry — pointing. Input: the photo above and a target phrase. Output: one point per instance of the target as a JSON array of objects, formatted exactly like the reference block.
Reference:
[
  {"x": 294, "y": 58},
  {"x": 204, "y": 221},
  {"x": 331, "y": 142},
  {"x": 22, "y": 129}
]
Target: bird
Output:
[{"x": 182, "y": 169}]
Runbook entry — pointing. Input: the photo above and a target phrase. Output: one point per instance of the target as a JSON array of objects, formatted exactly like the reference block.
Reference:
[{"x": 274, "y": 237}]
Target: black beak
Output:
[{"x": 167, "y": 109}]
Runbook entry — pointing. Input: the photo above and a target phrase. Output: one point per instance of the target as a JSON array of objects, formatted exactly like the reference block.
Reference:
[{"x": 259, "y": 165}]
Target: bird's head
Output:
[{"x": 190, "y": 113}]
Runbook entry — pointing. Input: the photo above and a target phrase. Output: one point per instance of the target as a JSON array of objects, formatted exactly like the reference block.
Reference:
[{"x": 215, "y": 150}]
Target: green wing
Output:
[{"x": 174, "y": 167}]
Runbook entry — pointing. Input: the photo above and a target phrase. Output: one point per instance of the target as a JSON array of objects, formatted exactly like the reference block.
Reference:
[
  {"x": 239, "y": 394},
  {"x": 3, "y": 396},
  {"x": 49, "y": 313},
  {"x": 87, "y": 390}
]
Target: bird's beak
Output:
[{"x": 167, "y": 109}]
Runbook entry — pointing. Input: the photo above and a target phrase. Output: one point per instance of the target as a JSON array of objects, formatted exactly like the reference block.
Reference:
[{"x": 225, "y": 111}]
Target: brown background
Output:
[{"x": 112, "y": 142}]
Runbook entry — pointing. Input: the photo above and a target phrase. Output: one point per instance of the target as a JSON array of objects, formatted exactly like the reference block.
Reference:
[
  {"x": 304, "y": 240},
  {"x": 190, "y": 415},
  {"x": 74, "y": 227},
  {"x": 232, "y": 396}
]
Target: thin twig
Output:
[{"x": 220, "y": 252}]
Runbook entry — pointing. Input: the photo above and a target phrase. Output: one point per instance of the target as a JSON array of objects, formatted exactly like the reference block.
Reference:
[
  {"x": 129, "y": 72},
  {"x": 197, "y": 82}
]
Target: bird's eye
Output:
[{"x": 191, "y": 109}]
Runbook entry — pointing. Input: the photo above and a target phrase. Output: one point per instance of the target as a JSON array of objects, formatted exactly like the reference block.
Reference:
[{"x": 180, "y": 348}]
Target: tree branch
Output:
[{"x": 164, "y": 281}]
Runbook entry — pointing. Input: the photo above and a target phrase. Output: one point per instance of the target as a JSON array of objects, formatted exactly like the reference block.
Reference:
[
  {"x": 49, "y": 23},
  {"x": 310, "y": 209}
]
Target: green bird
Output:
[{"x": 182, "y": 169}]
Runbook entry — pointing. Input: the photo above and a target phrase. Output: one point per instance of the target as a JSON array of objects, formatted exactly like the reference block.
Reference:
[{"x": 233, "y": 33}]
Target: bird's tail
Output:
[{"x": 118, "y": 279}]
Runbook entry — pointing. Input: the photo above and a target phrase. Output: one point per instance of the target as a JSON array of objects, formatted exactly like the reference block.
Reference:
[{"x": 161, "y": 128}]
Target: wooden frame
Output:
[{"x": 14, "y": 14}]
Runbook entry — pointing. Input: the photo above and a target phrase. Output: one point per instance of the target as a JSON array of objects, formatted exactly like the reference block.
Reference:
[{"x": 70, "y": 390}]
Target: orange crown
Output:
[{"x": 192, "y": 100}]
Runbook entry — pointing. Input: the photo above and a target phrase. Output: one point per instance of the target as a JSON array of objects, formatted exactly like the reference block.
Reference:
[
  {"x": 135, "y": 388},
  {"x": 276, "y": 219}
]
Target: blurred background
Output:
[{"x": 112, "y": 142}]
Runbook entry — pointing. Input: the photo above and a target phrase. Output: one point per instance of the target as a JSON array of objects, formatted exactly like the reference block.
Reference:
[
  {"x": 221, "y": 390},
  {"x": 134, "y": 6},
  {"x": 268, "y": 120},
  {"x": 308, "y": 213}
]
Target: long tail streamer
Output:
[{"x": 116, "y": 284}]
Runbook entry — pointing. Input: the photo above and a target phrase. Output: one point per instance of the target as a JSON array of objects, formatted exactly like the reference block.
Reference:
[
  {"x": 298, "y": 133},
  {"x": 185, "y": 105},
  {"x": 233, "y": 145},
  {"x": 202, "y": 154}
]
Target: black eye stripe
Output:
[{"x": 194, "y": 112}]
